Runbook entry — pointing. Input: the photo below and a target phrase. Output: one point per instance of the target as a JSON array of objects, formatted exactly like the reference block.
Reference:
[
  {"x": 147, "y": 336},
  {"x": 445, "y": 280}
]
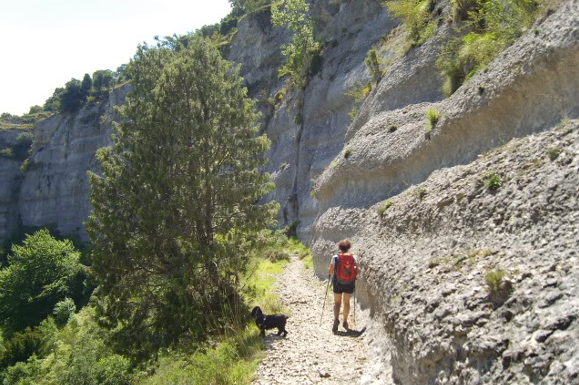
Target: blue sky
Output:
[{"x": 45, "y": 43}]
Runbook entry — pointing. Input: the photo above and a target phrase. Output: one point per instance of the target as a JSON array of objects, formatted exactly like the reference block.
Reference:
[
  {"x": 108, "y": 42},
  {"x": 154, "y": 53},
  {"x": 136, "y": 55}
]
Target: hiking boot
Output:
[
  {"x": 345, "y": 324},
  {"x": 335, "y": 327}
]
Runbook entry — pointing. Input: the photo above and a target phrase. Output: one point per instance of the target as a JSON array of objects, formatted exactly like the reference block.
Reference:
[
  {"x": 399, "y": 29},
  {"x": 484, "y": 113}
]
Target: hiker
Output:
[{"x": 344, "y": 268}]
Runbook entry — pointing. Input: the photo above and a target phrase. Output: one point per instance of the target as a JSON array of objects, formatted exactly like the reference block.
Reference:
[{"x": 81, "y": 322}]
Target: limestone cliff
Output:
[{"x": 467, "y": 234}]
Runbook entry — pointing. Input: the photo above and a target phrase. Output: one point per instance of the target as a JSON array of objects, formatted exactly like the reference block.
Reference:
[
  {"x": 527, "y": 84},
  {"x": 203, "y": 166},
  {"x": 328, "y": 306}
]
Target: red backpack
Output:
[{"x": 346, "y": 270}]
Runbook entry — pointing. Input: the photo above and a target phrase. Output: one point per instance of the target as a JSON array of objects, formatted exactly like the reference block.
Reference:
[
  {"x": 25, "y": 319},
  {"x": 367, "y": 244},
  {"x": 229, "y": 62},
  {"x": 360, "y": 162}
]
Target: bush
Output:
[
  {"x": 347, "y": 153},
  {"x": 496, "y": 281},
  {"x": 63, "y": 310},
  {"x": 553, "y": 152},
  {"x": 492, "y": 181},
  {"x": 6, "y": 153},
  {"x": 384, "y": 206},
  {"x": 40, "y": 273},
  {"x": 276, "y": 255},
  {"x": 416, "y": 16},
  {"x": 491, "y": 26},
  {"x": 432, "y": 117},
  {"x": 373, "y": 64}
]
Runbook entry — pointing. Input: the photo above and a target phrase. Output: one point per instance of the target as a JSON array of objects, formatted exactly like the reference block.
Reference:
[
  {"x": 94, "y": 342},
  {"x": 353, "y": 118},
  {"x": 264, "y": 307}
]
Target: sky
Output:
[{"x": 45, "y": 43}]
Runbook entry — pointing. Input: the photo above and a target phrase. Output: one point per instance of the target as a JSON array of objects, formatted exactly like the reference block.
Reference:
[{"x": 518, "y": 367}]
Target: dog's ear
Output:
[{"x": 256, "y": 311}]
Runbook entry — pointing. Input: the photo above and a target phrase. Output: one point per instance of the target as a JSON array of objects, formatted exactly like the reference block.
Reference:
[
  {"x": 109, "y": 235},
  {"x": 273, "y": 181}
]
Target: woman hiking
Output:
[{"x": 344, "y": 268}]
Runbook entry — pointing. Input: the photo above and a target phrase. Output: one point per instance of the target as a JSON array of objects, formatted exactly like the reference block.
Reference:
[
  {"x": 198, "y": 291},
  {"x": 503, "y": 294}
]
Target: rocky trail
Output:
[{"x": 311, "y": 354}]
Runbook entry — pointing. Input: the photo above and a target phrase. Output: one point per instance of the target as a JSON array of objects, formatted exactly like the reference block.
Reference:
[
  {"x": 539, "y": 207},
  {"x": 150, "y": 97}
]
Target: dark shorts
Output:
[{"x": 340, "y": 288}]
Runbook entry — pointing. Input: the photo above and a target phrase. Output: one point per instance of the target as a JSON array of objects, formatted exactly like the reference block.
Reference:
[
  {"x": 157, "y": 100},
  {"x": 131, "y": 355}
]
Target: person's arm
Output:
[{"x": 331, "y": 268}]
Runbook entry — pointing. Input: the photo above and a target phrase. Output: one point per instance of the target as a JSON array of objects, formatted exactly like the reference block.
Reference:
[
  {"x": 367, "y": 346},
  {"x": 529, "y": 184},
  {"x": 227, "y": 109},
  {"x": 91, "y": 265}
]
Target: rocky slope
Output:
[
  {"x": 492, "y": 188},
  {"x": 445, "y": 222}
]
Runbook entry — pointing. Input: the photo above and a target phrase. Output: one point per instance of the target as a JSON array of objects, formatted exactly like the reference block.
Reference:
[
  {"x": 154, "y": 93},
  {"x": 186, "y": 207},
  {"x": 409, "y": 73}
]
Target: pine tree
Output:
[{"x": 177, "y": 199}]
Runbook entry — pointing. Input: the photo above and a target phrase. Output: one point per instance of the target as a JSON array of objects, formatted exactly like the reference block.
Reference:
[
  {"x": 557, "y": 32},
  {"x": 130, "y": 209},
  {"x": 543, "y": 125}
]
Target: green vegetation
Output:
[
  {"x": 347, "y": 153},
  {"x": 495, "y": 280},
  {"x": 384, "y": 206},
  {"x": 373, "y": 64},
  {"x": 6, "y": 152},
  {"x": 492, "y": 181},
  {"x": 417, "y": 16},
  {"x": 432, "y": 117},
  {"x": 358, "y": 93},
  {"x": 553, "y": 152},
  {"x": 40, "y": 273},
  {"x": 487, "y": 28},
  {"x": 176, "y": 249},
  {"x": 303, "y": 52}
]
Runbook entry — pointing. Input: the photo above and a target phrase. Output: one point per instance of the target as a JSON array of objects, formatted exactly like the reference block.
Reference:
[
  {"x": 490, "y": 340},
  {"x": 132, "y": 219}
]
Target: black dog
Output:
[{"x": 264, "y": 322}]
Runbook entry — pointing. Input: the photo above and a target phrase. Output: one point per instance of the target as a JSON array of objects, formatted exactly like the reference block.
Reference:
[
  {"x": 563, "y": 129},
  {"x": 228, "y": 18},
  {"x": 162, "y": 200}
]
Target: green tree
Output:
[
  {"x": 304, "y": 48},
  {"x": 177, "y": 199},
  {"x": 85, "y": 86},
  {"x": 102, "y": 80},
  {"x": 71, "y": 99},
  {"x": 35, "y": 110},
  {"x": 52, "y": 104},
  {"x": 40, "y": 273}
]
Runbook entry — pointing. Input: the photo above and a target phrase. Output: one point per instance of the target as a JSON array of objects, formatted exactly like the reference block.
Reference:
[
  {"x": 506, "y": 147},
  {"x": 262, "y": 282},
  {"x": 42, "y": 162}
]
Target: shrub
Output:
[
  {"x": 276, "y": 255},
  {"x": 492, "y": 181},
  {"x": 358, "y": 93},
  {"x": 373, "y": 64},
  {"x": 496, "y": 281},
  {"x": 6, "y": 152},
  {"x": 432, "y": 117},
  {"x": 492, "y": 26},
  {"x": 384, "y": 206},
  {"x": 347, "y": 153},
  {"x": 416, "y": 16},
  {"x": 553, "y": 152},
  {"x": 63, "y": 310}
]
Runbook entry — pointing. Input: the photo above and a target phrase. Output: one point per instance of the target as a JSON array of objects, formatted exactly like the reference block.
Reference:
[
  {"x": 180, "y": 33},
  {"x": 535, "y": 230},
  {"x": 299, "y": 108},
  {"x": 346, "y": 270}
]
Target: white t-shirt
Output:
[{"x": 335, "y": 258}]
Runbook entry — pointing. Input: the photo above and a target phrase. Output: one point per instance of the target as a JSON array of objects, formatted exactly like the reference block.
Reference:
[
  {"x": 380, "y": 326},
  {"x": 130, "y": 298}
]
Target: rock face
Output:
[
  {"x": 467, "y": 234},
  {"x": 54, "y": 189}
]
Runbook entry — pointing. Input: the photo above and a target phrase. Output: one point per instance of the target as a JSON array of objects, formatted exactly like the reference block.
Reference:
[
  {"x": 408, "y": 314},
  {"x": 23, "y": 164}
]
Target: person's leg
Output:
[
  {"x": 337, "y": 305},
  {"x": 347, "y": 297}
]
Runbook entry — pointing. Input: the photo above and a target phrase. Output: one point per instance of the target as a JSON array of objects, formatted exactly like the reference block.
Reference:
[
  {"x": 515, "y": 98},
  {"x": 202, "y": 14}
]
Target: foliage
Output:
[
  {"x": 74, "y": 355},
  {"x": 275, "y": 255},
  {"x": 491, "y": 26},
  {"x": 232, "y": 362},
  {"x": 40, "y": 273},
  {"x": 347, "y": 153},
  {"x": 34, "y": 110},
  {"x": 384, "y": 206},
  {"x": 6, "y": 152},
  {"x": 358, "y": 93},
  {"x": 72, "y": 97},
  {"x": 85, "y": 86},
  {"x": 52, "y": 104},
  {"x": 553, "y": 152},
  {"x": 303, "y": 48},
  {"x": 432, "y": 117},
  {"x": 21, "y": 346},
  {"x": 416, "y": 15},
  {"x": 102, "y": 82},
  {"x": 63, "y": 310},
  {"x": 492, "y": 181},
  {"x": 496, "y": 281},
  {"x": 177, "y": 200},
  {"x": 373, "y": 64},
  {"x": 248, "y": 6}
]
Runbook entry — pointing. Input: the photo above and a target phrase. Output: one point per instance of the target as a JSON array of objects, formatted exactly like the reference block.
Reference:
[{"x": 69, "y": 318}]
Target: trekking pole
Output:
[
  {"x": 325, "y": 298},
  {"x": 354, "y": 308}
]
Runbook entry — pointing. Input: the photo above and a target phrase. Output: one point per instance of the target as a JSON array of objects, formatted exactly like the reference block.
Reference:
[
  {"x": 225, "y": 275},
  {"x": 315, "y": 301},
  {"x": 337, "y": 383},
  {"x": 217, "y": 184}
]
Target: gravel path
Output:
[{"x": 310, "y": 354}]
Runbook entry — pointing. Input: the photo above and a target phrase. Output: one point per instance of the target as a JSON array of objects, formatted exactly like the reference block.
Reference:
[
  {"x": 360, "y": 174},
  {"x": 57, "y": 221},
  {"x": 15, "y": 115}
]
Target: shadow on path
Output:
[{"x": 350, "y": 333}]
